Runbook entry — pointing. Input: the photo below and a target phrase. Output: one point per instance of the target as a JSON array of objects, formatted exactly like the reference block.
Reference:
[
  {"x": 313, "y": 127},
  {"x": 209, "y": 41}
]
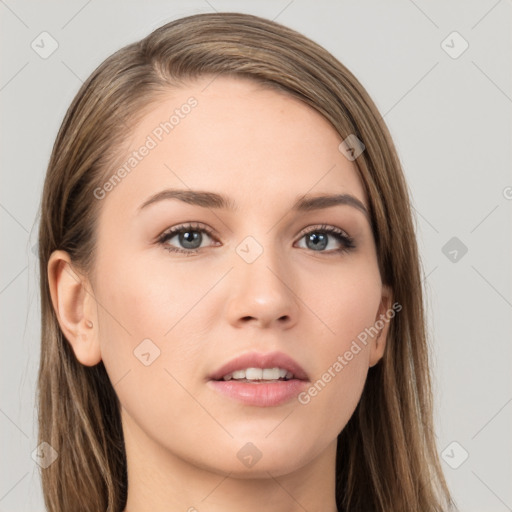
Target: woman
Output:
[{"x": 231, "y": 296}]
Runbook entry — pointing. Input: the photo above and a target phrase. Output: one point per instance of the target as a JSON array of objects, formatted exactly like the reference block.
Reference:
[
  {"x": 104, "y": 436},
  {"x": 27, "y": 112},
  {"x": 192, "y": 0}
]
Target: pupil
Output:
[{"x": 317, "y": 240}]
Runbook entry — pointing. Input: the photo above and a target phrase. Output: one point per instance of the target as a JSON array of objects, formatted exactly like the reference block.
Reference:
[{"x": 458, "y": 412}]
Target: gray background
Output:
[{"x": 450, "y": 117}]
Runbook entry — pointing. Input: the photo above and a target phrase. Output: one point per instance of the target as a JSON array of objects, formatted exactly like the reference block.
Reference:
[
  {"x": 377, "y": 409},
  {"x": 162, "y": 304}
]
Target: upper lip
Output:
[{"x": 258, "y": 360}]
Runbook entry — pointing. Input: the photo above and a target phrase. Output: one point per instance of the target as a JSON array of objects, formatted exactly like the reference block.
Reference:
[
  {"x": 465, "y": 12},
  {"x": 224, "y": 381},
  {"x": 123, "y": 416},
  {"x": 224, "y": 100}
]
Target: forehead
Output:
[{"x": 235, "y": 137}]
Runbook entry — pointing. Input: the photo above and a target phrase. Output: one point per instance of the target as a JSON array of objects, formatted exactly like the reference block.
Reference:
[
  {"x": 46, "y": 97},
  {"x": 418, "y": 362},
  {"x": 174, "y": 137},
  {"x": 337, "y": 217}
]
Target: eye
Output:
[
  {"x": 188, "y": 238},
  {"x": 325, "y": 237}
]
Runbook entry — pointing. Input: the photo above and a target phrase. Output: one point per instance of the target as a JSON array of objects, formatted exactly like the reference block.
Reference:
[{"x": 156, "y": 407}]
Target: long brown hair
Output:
[{"x": 387, "y": 458}]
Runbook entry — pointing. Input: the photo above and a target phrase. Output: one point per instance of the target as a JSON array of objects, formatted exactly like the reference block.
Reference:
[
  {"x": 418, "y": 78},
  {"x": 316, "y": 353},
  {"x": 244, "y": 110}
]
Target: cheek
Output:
[
  {"x": 148, "y": 298},
  {"x": 346, "y": 302},
  {"x": 336, "y": 388},
  {"x": 348, "y": 306},
  {"x": 154, "y": 318},
  {"x": 151, "y": 335}
]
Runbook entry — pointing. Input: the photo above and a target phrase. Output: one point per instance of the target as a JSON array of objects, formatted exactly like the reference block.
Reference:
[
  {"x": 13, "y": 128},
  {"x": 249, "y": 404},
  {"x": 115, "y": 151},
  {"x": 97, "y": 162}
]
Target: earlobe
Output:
[
  {"x": 382, "y": 321},
  {"x": 74, "y": 307}
]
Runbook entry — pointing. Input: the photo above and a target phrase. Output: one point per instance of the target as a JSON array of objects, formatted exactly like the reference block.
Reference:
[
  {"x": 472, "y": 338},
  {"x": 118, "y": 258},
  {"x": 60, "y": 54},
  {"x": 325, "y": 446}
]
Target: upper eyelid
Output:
[
  {"x": 192, "y": 226},
  {"x": 323, "y": 227}
]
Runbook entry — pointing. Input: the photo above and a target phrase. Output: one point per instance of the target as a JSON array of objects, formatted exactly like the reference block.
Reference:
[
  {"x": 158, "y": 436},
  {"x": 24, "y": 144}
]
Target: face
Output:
[{"x": 210, "y": 262}]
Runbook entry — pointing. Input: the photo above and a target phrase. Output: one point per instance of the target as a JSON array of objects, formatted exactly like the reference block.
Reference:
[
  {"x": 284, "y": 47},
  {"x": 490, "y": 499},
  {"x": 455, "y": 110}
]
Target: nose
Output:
[{"x": 262, "y": 294}]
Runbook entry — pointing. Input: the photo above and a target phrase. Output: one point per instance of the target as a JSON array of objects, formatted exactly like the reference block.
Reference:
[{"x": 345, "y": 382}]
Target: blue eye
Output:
[
  {"x": 189, "y": 239},
  {"x": 189, "y": 236},
  {"x": 324, "y": 237}
]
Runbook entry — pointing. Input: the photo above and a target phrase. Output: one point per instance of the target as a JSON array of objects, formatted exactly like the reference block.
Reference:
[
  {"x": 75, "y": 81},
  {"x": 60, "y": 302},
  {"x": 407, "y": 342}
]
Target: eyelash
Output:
[{"x": 345, "y": 240}]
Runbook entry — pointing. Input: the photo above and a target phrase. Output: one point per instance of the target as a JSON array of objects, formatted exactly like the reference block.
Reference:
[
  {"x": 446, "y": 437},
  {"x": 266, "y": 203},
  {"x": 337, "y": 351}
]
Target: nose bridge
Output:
[{"x": 261, "y": 259}]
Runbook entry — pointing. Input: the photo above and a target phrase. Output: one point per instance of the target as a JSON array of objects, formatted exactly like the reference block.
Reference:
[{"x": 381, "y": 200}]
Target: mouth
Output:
[{"x": 262, "y": 380}]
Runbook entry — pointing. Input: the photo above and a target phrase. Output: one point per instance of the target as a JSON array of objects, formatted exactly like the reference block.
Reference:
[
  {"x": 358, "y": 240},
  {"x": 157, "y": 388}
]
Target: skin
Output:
[{"x": 263, "y": 149}]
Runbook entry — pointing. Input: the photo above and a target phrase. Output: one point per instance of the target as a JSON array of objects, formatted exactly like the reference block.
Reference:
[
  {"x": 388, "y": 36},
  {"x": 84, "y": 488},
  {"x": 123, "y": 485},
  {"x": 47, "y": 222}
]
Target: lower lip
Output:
[{"x": 258, "y": 393}]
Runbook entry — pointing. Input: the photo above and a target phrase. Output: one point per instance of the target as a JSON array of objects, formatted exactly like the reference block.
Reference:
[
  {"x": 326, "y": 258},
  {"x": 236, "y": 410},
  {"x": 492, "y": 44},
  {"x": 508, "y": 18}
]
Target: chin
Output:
[
  {"x": 263, "y": 469},
  {"x": 262, "y": 458}
]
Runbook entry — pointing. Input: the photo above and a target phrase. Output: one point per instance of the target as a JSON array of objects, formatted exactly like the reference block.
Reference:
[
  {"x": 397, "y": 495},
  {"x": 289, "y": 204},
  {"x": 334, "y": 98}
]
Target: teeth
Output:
[
  {"x": 259, "y": 374},
  {"x": 254, "y": 374},
  {"x": 270, "y": 374}
]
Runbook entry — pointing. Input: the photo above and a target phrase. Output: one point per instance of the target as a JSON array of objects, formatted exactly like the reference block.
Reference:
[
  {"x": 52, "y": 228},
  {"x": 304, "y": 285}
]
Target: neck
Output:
[{"x": 159, "y": 481}]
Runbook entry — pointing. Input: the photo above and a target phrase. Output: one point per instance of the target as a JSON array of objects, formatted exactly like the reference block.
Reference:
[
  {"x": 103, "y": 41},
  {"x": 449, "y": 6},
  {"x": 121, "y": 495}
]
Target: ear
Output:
[
  {"x": 382, "y": 321},
  {"x": 75, "y": 307}
]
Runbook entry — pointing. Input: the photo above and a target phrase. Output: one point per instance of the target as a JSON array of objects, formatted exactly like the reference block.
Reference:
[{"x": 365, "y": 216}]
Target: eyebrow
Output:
[{"x": 218, "y": 201}]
